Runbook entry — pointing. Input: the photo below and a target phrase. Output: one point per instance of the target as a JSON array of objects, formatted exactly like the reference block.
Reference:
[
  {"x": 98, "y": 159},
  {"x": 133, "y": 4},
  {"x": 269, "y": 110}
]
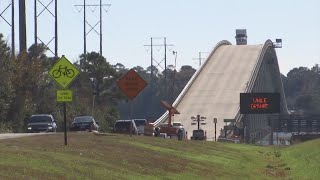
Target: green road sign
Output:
[
  {"x": 64, "y": 96},
  {"x": 63, "y": 72}
]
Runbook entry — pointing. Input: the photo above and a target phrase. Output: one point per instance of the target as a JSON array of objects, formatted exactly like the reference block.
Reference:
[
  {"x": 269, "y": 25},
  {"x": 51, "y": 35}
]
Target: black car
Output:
[
  {"x": 84, "y": 123},
  {"x": 41, "y": 122}
]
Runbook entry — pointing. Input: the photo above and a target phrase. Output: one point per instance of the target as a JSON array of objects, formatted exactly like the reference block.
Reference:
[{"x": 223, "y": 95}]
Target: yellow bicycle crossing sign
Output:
[{"x": 63, "y": 72}]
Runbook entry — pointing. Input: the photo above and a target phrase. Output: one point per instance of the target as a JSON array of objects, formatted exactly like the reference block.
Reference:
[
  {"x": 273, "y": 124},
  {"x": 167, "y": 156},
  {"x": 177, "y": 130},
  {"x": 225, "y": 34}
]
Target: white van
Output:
[{"x": 140, "y": 123}]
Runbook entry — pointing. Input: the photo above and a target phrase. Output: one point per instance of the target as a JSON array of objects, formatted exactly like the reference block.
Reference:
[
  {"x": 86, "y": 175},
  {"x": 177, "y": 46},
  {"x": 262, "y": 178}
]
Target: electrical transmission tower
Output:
[
  {"x": 10, "y": 24},
  {"x": 158, "y": 63},
  {"x": 44, "y": 8},
  {"x": 92, "y": 28},
  {"x": 200, "y": 58}
]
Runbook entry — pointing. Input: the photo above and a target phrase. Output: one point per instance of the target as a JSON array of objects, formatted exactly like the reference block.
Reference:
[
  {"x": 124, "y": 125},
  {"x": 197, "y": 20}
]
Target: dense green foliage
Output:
[{"x": 302, "y": 89}]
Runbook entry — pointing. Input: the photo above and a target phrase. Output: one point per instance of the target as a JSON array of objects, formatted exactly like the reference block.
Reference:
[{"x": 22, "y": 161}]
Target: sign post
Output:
[
  {"x": 215, "y": 128},
  {"x": 64, "y": 72},
  {"x": 131, "y": 84}
]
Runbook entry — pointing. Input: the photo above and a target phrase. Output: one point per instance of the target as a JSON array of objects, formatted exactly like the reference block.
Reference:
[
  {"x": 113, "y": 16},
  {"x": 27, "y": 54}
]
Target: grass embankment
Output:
[
  {"x": 303, "y": 160},
  {"x": 123, "y": 157}
]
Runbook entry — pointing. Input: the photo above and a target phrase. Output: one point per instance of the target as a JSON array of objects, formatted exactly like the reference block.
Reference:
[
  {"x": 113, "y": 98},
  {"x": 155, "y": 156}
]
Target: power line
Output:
[
  {"x": 85, "y": 22},
  {"x": 158, "y": 63},
  {"x": 45, "y": 7},
  {"x": 200, "y": 58}
]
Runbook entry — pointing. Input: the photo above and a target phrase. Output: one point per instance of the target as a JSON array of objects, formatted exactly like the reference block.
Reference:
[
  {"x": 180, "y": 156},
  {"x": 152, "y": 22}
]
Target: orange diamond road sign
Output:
[{"x": 131, "y": 84}]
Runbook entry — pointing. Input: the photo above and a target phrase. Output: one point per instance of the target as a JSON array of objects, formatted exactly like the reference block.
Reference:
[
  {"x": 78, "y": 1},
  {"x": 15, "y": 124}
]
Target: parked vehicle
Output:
[
  {"x": 176, "y": 129},
  {"x": 84, "y": 123},
  {"x": 140, "y": 123},
  {"x": 123, "y": 127},
  {"x": 41, "y": 123},
  {"x": 198, "y": 135},
  {"x": 177, "y": 124},
  {"x": 149, "y": 129}
]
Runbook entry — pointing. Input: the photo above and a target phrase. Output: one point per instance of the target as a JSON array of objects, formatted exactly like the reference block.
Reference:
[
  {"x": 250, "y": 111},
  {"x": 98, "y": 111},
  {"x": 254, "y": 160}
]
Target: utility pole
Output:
[
  {"x": 84, "y": 30},
  {"x": 215, "y": 120},
  {"x": 35, "y": 23},
  {"x": 165, "y": 69},
  {"x": 11, "y": 25},
  {"x": 174, "y": 76},
  {"x": 22, "y": 26},
  {"x": 13, "y": 49},
  {"x": 101, "y": 27},
  {"x": 55, "y": 16},
  {"x": 200, "y": 58},
  {"x": 85, "y": 23},
  {"x": 56, "y": 29},
  {"x": 151, "y": 73}
]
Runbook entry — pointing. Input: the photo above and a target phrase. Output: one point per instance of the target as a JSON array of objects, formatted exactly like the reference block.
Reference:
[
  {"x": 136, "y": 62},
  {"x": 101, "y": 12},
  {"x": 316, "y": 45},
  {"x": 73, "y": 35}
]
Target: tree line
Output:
[{"x": 26, "y": 89}]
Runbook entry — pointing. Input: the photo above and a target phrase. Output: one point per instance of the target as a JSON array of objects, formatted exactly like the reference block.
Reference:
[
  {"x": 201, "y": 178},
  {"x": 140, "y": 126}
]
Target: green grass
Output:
[
  {"x": 123, "y": 157},
  {"x": 303, "y": 159}
]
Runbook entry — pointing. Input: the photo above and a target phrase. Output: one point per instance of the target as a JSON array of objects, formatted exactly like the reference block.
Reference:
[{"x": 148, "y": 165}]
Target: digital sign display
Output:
[{"x": 259, "y": 103}]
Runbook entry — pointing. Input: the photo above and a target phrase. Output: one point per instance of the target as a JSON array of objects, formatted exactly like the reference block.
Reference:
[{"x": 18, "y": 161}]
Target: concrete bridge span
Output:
[{"x": 214, "y": 90}]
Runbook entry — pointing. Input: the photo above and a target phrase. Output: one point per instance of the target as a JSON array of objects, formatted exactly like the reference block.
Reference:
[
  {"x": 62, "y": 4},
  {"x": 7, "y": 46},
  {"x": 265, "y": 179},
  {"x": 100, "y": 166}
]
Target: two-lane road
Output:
[{"x": 17, "y": 135}]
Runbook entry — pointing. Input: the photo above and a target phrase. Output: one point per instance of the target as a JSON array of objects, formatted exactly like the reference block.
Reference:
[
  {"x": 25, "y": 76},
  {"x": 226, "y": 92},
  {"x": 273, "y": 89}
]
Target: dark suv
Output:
[
  {"x": 84, "y": 123},
  {"x": 41, "y": 122}
]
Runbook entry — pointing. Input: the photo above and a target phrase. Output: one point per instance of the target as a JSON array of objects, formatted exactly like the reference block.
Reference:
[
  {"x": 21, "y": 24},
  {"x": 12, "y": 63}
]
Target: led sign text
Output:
[{"x": 259, "y": 103}]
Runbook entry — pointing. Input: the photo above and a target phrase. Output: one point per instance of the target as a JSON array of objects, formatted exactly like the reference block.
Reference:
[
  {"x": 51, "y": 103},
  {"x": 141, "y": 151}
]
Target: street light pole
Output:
[{"x": 94, "y": 92}]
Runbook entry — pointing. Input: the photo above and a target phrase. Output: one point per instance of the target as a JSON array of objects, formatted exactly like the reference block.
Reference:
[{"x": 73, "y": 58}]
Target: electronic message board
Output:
[{"x": 259, "y": 103}]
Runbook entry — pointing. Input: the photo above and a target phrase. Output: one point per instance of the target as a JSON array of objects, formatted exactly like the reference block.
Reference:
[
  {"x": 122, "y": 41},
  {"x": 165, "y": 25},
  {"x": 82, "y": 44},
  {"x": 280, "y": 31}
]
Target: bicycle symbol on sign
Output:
[{"x": 63, "y": 71}]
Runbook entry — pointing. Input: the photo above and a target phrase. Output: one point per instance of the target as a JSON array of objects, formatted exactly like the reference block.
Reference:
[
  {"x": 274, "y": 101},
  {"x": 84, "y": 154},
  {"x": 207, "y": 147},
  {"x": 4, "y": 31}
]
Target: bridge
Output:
[{"x": 214, "y": 89}]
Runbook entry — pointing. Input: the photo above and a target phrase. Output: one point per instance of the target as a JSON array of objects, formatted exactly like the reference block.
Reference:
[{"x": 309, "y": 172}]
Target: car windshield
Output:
[
  {"x": 40, "y": 119},
  {"x": 122, "y": 124},
  {"x": 177, "y": 124},
  {"x": 198, "y": 132},
  {"x": 83, "y": 119},
  {"x": 140, "y": 122}
]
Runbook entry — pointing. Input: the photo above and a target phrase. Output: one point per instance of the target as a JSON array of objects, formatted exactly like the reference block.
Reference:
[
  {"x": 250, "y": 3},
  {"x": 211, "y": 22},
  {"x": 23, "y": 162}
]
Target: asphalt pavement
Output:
[{"x": 17, "y": 135}]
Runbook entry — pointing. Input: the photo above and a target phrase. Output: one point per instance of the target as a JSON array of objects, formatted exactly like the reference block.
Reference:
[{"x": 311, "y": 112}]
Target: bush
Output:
[{"x": 5, "y": 128}]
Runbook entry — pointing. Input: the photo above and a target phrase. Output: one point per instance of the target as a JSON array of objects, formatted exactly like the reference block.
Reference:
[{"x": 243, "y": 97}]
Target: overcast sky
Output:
[{"x": 192, "y": 26}]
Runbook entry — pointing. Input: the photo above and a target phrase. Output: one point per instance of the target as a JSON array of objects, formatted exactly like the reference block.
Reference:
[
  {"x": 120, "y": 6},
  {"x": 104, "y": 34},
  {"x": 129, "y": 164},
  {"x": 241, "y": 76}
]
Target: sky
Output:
[{"x": 190, "y": 26}]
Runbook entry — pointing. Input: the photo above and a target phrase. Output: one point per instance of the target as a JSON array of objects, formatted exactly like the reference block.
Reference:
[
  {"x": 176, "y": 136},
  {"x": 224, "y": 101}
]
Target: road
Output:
[{"x": 17, "y": 135}]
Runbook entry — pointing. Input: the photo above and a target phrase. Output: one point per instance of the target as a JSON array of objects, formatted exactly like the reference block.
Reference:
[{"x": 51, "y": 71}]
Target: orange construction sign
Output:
[{"x": 131, "y": 84}]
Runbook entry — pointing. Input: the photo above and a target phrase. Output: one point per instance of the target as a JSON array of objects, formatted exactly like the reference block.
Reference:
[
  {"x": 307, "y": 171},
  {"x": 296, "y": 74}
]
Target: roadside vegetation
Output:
[
  {"x": 88, "y": 156},
  {"x": 26, "y": 89}
]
